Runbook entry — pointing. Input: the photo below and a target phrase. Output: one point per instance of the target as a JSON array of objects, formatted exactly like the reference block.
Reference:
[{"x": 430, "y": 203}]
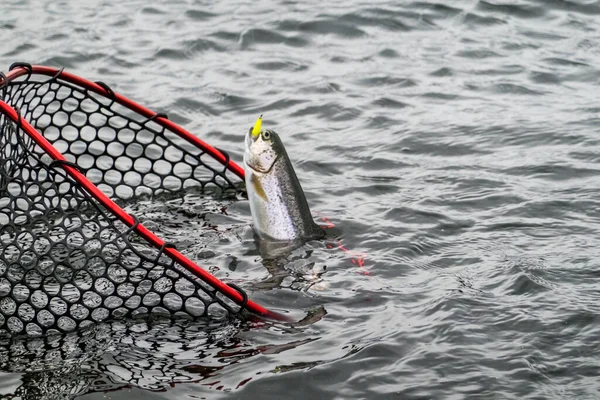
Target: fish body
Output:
[{"x": 279, "y": 208}]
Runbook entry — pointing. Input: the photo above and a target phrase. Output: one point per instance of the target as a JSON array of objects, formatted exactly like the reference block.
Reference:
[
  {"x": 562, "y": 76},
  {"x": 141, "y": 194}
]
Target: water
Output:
[{"x": 455, "y": 145}]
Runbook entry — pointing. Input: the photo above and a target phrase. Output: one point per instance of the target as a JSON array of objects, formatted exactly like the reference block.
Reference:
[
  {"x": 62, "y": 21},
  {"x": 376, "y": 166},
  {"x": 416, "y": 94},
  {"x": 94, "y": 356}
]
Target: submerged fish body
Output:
[{"x": 279, "y": 208}]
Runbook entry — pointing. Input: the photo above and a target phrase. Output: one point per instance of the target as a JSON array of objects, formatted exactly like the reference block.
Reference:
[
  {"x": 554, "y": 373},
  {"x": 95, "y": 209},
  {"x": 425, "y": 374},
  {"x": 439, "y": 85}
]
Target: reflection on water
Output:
[
  {"x": 108, "y": 357},
  {"x": 455, "y": 144}
]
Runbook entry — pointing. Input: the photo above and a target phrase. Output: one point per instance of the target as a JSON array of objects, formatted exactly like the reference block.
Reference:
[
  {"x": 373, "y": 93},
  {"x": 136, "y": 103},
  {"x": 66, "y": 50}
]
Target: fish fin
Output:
[
  {"x": 319, "y": 232},
  {"x": 258, "y": 187}
]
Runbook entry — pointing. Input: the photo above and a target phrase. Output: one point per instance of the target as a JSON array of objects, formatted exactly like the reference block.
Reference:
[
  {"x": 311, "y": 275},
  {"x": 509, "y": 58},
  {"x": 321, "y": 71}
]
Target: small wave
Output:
[
  {"x": 478, "y": 54},
  {"x": 545, "y": 78},
  {"x": 543, "y": 35},
  {"x": 386, "y": 102},
  {"x": 587, "y": 8},
  {"x": 514, "y": 88},
  {"x": 199, "y": 15},
  {"x": 387, "y": 80},
  {"x": 564, "y": 62},
  {"x": 329, "y": 111},
  {"x": 473, "y": 20},
  {"x": 152, "y": 11},
  {"x": 389, "y": 53},
  {"x": 515, "y": 10},
  {"x": 280, "y": 66},
  {"x": 442, "y": 72},
  {"x": 380, "y": 18},
  {"x": 331, "y": 26},
  {"x": 258, "y": 35},
  {"x": 20, "y": 49}
]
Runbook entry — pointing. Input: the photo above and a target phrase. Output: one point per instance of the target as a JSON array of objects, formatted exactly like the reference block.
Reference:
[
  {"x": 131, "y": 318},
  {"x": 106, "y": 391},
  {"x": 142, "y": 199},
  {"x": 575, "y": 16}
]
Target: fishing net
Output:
[
  {"x": 70, "y": 256},
  {"x": 122, "y": 354}
]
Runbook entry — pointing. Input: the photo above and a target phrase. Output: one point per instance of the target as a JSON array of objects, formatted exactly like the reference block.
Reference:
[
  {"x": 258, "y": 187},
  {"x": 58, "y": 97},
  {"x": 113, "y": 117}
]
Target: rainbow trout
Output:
[{"x": 279, "y": 209}]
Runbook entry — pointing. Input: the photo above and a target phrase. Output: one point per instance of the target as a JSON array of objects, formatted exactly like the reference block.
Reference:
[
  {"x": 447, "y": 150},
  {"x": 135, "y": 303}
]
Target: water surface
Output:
[{"x": 454, "y": 144}]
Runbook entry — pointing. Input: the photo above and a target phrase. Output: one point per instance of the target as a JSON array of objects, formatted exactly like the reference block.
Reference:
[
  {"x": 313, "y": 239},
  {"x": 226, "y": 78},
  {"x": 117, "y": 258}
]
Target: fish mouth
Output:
[
  {"x": 250, "y": 140},
  {"x": 251, "y": 159}
]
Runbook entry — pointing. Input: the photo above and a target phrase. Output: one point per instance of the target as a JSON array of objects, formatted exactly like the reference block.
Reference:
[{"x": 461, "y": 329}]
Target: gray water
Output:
[{"x": 455, "y": 145}]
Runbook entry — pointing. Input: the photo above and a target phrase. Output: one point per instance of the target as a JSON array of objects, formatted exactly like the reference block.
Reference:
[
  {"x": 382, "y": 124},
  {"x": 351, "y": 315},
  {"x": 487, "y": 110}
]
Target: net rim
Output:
[{"x": 231, "y": 291}]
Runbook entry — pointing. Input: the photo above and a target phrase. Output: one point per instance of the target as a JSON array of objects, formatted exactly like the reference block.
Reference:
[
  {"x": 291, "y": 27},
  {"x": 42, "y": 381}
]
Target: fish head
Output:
[{"x": 263, "y": 148}]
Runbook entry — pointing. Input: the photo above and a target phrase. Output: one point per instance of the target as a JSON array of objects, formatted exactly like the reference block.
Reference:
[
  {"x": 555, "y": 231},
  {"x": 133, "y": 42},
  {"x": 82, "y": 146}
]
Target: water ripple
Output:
[{"x": 452, "y": 148}]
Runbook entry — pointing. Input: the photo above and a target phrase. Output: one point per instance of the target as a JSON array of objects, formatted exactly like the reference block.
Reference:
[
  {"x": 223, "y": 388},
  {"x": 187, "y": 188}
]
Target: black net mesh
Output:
[
  {"x": 109, "y": 357},
  {"x": 65, "y": 260},
  {"x": 124, "y": 153}
]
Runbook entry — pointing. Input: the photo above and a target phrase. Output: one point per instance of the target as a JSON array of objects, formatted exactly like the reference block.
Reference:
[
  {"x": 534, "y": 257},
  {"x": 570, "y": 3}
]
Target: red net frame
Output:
[{"x": 28, "y": 144}]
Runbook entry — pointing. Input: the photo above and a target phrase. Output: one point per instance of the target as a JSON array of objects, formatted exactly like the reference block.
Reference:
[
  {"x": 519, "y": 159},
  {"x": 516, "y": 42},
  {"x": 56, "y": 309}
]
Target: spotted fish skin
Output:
[{"x": 279, "y": 208}]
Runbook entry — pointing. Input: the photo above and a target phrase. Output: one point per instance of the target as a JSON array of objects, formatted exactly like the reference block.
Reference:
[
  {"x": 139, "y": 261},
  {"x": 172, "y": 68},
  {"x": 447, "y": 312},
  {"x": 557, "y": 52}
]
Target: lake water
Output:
[{"x": 454, "y": 145}]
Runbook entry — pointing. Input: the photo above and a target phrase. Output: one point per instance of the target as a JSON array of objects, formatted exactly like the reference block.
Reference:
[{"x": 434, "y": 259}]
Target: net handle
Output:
[
  {"x": 20, "y": 69},
  {"x": 130, "y": 221}
]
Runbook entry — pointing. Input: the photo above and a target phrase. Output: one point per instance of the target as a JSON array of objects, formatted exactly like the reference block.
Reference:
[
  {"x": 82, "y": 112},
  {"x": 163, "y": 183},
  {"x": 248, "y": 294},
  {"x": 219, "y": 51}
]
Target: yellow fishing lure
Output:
[{"x": 257, "y": 127}]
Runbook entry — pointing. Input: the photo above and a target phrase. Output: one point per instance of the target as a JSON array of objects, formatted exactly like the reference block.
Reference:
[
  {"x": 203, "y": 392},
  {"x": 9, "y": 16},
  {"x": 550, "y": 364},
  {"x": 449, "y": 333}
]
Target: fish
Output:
[{"x": 279, "y": 209}]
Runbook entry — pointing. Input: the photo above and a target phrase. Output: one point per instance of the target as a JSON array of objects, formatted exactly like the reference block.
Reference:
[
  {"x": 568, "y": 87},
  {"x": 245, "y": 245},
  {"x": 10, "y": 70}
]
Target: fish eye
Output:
[{"x": 266, "y": 135}]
